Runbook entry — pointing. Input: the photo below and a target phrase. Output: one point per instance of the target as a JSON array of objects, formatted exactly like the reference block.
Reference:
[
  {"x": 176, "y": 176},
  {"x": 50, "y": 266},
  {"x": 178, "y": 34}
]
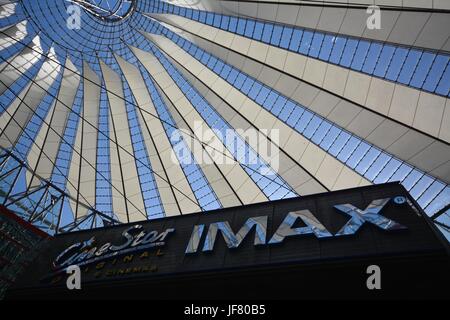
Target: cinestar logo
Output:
[
  {"x": 286, "y": 229},
  {"x": 134, "y": 239}
]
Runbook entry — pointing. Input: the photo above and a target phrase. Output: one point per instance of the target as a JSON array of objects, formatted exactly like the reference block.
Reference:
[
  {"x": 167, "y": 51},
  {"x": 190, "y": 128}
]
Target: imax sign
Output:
[
  {"x": 136, "y": 238},
  {"x": 313, "y": 226}
]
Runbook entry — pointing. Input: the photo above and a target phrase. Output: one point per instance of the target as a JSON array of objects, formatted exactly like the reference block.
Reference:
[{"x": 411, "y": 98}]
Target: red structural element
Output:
[{"x": 10, "y": 214}]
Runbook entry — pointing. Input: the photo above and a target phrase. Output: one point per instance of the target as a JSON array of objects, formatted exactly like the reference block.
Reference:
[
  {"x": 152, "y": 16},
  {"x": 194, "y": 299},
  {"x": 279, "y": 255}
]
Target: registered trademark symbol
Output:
[{"x": 400, "y": 200}]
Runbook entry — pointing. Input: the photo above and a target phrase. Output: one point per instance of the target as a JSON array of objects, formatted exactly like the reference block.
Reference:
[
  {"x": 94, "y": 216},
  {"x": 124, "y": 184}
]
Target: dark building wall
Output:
[{"x": 20, "y": 243}]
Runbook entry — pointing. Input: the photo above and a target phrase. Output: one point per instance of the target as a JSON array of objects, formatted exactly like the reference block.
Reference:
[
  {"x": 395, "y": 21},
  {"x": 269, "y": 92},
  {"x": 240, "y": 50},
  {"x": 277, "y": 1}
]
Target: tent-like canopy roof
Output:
[{"x": 122, "y": 110}]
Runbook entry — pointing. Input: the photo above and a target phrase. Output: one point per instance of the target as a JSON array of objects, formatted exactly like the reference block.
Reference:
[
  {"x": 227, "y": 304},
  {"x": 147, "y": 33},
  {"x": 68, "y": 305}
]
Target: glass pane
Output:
[
  {"x": 422, "y": 69},
  {"x": 444, "y": 85},
  {"x": 286, "y": 37},
  {"x": 276, "y": 35},
  {"x": 338, "y": 48},
  {"x": 316, "y": 45},
  {"x": 396, "y": 63},
  {"x": 306, "y": 42},
  {"x": 267, "y": 33},
  {"x": 372, "y": 57},
  {"x": 349, "y": 52},
  {"x": 384, "y": 60},
  {"x": 295, "y": 40},
  {"x": 436, "y": 72},
  {"x": 410, "y": 66},
  {"x": 327, "y": 46},
  {"x": 360, "y": 55}
]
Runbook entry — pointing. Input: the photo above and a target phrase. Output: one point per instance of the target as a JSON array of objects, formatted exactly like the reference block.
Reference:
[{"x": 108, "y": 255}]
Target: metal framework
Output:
[{"x": 43, "y": 204}]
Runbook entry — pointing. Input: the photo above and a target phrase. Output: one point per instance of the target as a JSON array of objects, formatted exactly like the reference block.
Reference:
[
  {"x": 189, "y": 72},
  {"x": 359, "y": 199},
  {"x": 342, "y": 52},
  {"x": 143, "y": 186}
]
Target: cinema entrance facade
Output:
[{"x": 320, "y": 246}]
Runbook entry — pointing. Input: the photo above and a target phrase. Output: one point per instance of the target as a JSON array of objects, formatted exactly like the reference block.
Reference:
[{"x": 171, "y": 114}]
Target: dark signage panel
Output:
[{"x": 301, "y": 237}]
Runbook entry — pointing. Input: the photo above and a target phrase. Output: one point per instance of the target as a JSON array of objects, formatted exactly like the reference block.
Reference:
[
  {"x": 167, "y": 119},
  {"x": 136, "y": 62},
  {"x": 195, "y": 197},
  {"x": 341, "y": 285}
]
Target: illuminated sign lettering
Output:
[
  {"x": 86, "y": 252},
  {"x": 313, "y": 227}
]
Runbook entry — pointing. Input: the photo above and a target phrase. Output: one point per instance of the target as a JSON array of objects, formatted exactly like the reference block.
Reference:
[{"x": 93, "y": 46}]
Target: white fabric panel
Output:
[
  {"x": 117, "y": 187},
  {"x": 124, "y": 173},
  {"x": 11, "y": 110},
  {"x": 91, "y": 101},
  {"x": 193, "y": 4},
  {"x": 292, "y": 142},
  {"x": 35, "y": 153},
  {"x": 38, "y": 89},
  {"x": 82, "y": 172},
  {"x": 66, "y": 95},
  {"x": 19, "y": 64},
  {"x": 73, "y": 181},
  {"x": 174, "y": 172},
  {"x": 118, "y": 193}
]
